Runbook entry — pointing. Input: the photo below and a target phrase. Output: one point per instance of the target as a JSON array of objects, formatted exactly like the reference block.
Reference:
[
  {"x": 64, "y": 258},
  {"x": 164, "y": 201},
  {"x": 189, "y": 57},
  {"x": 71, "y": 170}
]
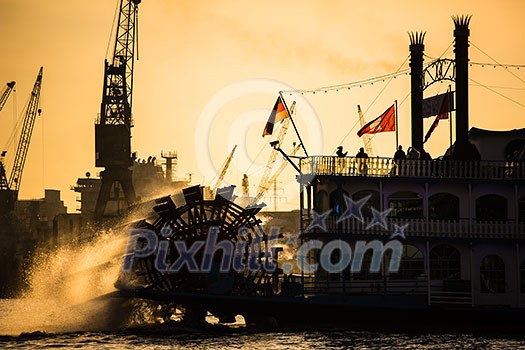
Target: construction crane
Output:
[
  {"x": 9, "y": 188},
  {"x": 222, "y": 174},
  {"x": 5, "y": 94},
  {"x": 273, "y": 155},
  {"x": 367, "y": 140},
  {"x": 113, "y": 127},
  {"x": 262, "y": 191}
]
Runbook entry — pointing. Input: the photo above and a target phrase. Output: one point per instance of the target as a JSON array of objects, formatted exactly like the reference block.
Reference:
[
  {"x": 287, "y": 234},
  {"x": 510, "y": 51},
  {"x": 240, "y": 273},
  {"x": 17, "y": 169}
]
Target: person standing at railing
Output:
[
  {"x": 341, "y": 163},
  {"x": 400, "y": 154},
  {"x": 340, "y": 152},
  {"x": 399, "y": 161},
  {"x": 362, "y": 159}
]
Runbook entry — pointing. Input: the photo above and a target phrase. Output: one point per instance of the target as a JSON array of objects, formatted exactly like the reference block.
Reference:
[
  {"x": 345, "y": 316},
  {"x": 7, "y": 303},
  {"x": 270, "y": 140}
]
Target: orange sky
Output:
[{"x": 217, "y": 66}]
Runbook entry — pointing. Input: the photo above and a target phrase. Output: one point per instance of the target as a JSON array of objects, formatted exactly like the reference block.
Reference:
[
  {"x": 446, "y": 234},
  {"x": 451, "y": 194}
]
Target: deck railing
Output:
[
  {"x": 435, "y": 168},
  {"x": 427, "y": 228}
]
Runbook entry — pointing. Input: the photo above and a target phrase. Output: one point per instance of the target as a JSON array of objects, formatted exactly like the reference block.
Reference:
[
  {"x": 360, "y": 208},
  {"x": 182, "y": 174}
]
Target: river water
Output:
[{"x": 161, "y": 338}]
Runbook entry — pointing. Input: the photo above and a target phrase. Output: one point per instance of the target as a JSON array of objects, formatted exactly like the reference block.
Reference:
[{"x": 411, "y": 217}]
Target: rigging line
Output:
[
  {"x": 264, "y": 144},
  {"x": 16, "y": 127},
  {"x": 352, "y": 84},
  {"x": 501, "y": 87},
  {"x": 112, "y": 27},
  {"x": 518, "y": 66},
  {"x": 498, "y": 93},
  {"x": 375, "y": 99},
  {"x": 486, "y": 54},
  {"x": 440, "y": 56}
]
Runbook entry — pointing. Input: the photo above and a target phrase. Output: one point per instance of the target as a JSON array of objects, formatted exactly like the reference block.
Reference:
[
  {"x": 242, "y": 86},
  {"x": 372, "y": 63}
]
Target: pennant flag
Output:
[
  {"x": 432, "y": 127},
  {"x": 439, "y": 104},
  {"x": 442, "y": 113},
  {"x": 278, "y": 114},
  {"x": 385, "y": 122}
]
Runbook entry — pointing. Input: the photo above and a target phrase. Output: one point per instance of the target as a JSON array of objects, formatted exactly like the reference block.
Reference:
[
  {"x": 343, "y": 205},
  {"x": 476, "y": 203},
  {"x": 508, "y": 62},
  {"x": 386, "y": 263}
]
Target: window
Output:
[
  {"x": 522, "y": 277},
  {"x": 521, "y": 210},
  {"x": 445, "y": 263},
  {"x": 412, "y": 264},
  {"x": 321, "y": 204},
  {"x": 373, "y": 202},
  {"x": 492, "y": 274},
  {"x": 406, "y": 205},
  {"x": 443, "y": 206},
  {"x": 337, "y": 203},
  {"x": 491, "y": 207}
]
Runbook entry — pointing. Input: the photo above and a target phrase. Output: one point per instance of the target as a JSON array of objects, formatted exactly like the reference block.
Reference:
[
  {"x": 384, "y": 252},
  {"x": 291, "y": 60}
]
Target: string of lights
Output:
[{"x": 387, "y": 77}]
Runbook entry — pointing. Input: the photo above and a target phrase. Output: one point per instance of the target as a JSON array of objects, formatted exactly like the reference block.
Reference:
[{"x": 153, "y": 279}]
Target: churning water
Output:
[{"x": 70, "y": 290}]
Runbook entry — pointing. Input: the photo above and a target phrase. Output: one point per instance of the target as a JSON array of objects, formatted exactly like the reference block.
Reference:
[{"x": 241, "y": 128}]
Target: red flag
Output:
[
  {"x": 279, "y": 113},
  {"x": 385, "y": 122},
  {"x": 443, "y": 114}
]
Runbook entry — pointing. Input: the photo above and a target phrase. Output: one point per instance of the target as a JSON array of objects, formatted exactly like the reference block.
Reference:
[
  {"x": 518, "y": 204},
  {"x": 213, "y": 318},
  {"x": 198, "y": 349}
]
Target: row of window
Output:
[
  {"x": 405, "y": 204},
  {"x": 445, "y": 264}
]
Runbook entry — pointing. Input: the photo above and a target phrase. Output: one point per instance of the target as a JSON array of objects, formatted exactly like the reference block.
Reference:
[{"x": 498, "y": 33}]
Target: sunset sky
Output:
[{"x": 209, "y": 73}]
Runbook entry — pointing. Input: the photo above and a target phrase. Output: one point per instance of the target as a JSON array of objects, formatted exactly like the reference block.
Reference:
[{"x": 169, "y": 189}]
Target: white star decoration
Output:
[
  {"x": 353, "y": 208},
  {"x": 379, "y": 218},
  {"x": 319, "y": 220},
  {"x": 399, "y": 231},
  {"x": 292, "y": 239}
]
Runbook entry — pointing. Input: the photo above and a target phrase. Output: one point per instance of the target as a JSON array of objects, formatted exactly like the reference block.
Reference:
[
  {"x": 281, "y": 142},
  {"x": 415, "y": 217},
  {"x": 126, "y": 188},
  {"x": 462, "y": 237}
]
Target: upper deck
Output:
[{"x": 435, "y": 168}]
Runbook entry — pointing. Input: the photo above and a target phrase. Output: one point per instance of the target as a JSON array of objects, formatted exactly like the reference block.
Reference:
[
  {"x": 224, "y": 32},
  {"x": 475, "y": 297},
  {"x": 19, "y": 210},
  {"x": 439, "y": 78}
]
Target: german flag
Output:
[{"x": 278, "y": 114}]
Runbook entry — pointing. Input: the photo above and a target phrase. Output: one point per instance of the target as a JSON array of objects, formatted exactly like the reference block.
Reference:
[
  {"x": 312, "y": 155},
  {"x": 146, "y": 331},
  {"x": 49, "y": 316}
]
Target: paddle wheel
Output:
[{"x": 190, "y": 223}]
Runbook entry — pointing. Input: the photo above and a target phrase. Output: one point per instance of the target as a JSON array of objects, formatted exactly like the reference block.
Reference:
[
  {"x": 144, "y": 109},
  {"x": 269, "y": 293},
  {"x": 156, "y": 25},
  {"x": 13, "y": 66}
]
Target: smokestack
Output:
[
  {"x": 461, "y": 34},
  {"x": 416, "y": 83},
  {"x": 463, "y": 149}
]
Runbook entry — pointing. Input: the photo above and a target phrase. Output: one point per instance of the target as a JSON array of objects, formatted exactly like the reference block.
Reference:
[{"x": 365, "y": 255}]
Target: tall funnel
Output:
[
  {"x": 461, "y": 34},
  {"x": 463, "y": 149},
  {"x": 416, "y": 83}
]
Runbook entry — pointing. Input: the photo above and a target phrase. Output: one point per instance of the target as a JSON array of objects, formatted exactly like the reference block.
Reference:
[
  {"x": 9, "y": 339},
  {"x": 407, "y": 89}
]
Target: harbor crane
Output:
[
  {"x": 5, "y": 94},
  {"x": 222, "y": 174},
  {"x": 367, "y": 140},
  {"x": 113, "y": 127},
  {"x": 262, "y": 191},
  {"x": 9, "y": 188},
  {"x": 264, "y": 183}
]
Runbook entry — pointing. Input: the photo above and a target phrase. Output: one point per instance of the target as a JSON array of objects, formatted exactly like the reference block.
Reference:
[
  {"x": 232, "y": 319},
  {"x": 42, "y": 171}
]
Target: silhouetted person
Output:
[
  {"x": 361, "y": 153},
  {"x": 340, "y": 152},
  {"x": 400, "y": 154},
  {"x": 412, "y": 154}
]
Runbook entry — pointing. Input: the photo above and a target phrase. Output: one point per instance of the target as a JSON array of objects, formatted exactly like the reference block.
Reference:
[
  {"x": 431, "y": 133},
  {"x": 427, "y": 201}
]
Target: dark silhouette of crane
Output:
[
  {"x": 9, "y": 188},
  {"x": 5, "y": 94},
  {"x": 113, "y": 127}
]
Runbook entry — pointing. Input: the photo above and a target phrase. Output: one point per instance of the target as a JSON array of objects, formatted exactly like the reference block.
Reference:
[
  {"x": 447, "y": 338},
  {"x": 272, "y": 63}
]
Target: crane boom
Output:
[
  {"x": 25, "y": 137},
  {"x": 274, "y": 177},
  {"x": 273, "y": 154},
  {"x": 5, "y": 94},
  {"x": 222, "y": 174},
  {"x": 369, "y": 148}
]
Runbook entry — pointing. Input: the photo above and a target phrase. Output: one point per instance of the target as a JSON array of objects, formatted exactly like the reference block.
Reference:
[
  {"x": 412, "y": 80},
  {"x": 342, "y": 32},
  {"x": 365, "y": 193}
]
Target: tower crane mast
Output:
[
  {"x": 113, "y": 127},
  {"x": 25, "y": 136},
  {"x": 273, "y": 155},
  {"x": 9, "y": 188},
  {"x": 222, "y": 174},
  {"x": 369, "y": 148},
  {"x": 5, "y": 94},
  {"x": 262, "y": 191}
]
